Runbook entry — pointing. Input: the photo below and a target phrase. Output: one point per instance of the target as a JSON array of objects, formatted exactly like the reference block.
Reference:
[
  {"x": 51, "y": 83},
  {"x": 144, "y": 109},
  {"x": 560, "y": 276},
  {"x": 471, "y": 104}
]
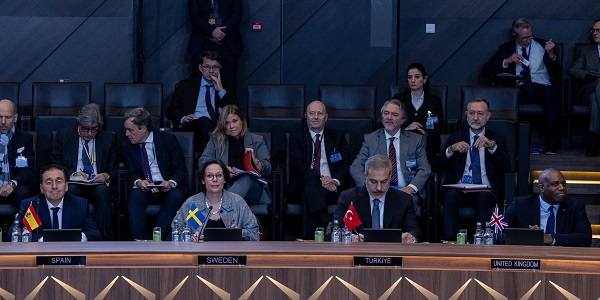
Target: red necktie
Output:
[
  {"x": 392, "y": 155},
  {"x": 317, "y": 155},
  {"x": 145, "y": 162}
]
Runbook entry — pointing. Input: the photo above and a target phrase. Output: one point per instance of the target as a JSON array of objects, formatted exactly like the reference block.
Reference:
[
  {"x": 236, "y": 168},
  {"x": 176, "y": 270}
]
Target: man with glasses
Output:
[
  {"x": 535, "y": 62},
  {"x": 88, "y": 154},
  {"x": 58, "y": 210},
  {"x": 197, "y": 101},
  {"x": 586, "y": 69},
  {"x": 319, "y": 162},
  {"x": 563, "y": 218}
]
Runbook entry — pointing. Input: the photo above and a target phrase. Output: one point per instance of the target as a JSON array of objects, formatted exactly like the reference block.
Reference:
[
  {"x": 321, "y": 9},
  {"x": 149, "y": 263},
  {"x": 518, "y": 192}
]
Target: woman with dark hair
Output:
[
  {"x": 229, "y": 210},
  {"x": 229, "y": 143},
  {"x": 424, "y": 112}
]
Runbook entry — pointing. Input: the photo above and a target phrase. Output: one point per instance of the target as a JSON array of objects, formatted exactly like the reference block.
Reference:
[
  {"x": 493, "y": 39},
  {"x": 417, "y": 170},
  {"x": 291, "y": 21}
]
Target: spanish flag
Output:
[{"x": 31, "y": 219}]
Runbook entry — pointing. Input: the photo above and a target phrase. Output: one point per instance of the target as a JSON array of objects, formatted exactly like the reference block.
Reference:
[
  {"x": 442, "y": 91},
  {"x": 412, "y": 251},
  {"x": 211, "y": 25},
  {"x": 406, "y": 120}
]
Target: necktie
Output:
[
  {"x": 526, "y": 71},
  {"x": 375, "y": 215},
  {"x": 145, "y": 162},
  {"x": 475, "y": 163},
  {"x": 392, "y": 156},
  {"x": 55, "y": 217},
  {"x": 551, "y": 221},
  {"x": 85, "y": 159},
  {"x": 214, "y": 115},
  {"x": 317, "y": 155}
]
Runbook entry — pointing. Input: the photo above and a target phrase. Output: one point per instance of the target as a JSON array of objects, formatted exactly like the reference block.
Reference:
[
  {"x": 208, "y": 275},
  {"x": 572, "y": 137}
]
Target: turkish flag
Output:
[{"x": 351, "y": 218}]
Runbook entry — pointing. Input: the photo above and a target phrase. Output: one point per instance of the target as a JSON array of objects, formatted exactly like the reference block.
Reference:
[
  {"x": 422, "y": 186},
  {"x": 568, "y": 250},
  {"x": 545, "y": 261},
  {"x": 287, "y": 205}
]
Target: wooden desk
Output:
[{"x": 295, "y": 270}]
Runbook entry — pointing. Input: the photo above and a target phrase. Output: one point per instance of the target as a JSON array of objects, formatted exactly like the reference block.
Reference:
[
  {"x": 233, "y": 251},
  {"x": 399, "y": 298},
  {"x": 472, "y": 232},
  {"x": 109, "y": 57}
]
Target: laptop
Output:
[
  {"x": 62, "y": 235},
  {"x": 383, "y": 235},
  {"x": 524, "y": 236},
  {"x": 222, "y": 234}
]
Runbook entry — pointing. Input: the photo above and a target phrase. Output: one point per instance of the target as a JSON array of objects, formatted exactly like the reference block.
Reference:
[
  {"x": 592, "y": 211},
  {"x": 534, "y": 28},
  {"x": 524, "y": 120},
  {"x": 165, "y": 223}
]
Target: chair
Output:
[
  {"x": 438, "y": 90},
  {"x": 276, "y": 108},
  {"x": 351, "y": 109}
]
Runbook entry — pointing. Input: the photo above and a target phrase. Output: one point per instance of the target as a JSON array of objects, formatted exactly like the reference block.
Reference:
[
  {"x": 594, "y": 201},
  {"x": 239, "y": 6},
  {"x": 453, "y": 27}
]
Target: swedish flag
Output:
[{"x": 195, "y": 218}]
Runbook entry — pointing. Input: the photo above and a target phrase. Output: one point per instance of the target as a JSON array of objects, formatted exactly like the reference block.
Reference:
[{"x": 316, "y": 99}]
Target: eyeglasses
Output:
[
  {"x": 88, "y": 129},
  {"x": 526, "y": 38},
  {"x": 595, "y": 30},
  {"x": 214, "y": 68},
  {"x": 210, "y": 176},
  {"x": 316, "y": 113}
]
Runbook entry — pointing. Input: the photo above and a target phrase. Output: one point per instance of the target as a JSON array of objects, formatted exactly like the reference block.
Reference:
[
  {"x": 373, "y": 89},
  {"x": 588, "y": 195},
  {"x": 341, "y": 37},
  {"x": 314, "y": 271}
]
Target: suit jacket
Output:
[
  {"x": 185, "y": 98},
  {"x": 398, "y": 211},
  {"x": 24, "y": 176},
  {"x": 412, "y": 146},
  {"x": 431, "y": 103},
  {"x": 251, "y": 140},
  {"x": 588, "y": 60},
  {"x": 572, "y": 225},
  {"x": 169, "y": 155},
  {"x": 494, "y": 65},
  {"x": 75, "y": 215},
  {"x": 496, "y": 164},
  {"x": 231, "y": 13},
  {"x": 301, "y": 154},
  {"x": 65, "y": 151}
]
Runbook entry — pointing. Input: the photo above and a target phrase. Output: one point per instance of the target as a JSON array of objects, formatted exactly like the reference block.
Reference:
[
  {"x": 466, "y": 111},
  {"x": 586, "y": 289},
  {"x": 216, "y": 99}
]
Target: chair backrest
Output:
[
  {"x": 504, "y": 101},
  {"x": 186, "y": 141},
  {"x": 56, "y": 98},
  {"x": 10, "y": 91},
  {"x": 276, "y": 100},
  {"x": 349, "y": 101},
  {"x": 121, "y": 97}
]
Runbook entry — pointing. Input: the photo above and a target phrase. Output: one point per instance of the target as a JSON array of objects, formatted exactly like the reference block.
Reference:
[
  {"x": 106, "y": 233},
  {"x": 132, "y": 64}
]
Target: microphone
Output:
[
  {"x": 37, "y": 211},
  {"x": 204, "y": 225}
]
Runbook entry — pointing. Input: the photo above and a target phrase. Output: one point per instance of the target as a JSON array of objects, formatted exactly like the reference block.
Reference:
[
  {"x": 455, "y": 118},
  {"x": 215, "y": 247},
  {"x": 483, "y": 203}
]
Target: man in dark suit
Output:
[
  {"x": 563, "y": 219},
  {"x": 156, "y": 169},
  {"x": 377, "y": 205},
  {"x": 68, "y": 211},
  {"x": 196, "y": 102},
  {"x": 90, "y": 159},
  {"x": 587, "y": 61},
  {"x": 215, "y": 27},
  {"x": 17, "y": 159},
  {"x": 474, "y": 155},
  {"x": 535, "y": 61},
  {"x": 319, "y": 176}
]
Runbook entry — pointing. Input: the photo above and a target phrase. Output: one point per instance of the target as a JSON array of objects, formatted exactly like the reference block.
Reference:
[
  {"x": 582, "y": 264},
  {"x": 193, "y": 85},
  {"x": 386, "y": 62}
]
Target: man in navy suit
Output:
[
  {"x": 89, "y": 153},
  {"x": 475, "y": 155},
  {"x": 377, "y": 205},
  {"x": 534, "y": 59},
  {"x": 156, "y": 169},
  {"x": 58, "y": 210},
  {"x": 563, "y": 219},
  {"x": 319, "y": 176}
]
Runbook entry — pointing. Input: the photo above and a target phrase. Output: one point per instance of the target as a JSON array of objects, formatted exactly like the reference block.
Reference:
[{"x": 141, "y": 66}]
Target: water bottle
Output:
[
  {"x": 187, "y": 234},
  {"x": 175, "y": 234},
  {"x": 478, "y": 237},
  {"x": 347, "y": 235},
  {"x": 16, "y": 233},
  {"x": 336, "y": 233},
  {"x": 489, "y": 234},
  {"x": 25, "y": 236}
]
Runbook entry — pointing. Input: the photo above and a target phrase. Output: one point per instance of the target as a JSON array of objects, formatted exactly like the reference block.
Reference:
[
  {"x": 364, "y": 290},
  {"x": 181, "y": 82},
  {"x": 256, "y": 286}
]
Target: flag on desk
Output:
[
  {"x": 31, "y": 219},
  {"x": 351, "y": 218},
  {"x": 195, "y": 218},
  {"x": 497, "y": 221}
]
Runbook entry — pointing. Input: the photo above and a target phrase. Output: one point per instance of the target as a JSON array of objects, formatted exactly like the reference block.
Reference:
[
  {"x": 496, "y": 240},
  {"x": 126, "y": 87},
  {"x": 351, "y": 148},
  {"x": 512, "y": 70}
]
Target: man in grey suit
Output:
[
  {"x": 586, "y": 63},
  {"x": 406, "y": 150}
]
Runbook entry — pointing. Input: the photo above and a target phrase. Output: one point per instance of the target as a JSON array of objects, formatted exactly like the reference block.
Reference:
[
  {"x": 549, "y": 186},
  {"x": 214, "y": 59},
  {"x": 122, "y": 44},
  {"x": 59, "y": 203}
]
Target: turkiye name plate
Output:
[
  {"x": 60, "y": 260},
  {"x": 521, "y": 264},
  {"x": 220, "y": 260},
  {"x": 371, "y": 261}
]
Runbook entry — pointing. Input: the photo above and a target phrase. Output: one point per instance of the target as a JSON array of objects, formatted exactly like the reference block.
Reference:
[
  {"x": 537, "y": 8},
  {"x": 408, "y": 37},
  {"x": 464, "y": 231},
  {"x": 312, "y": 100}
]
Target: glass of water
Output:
[
  {"x": 319, "y": 234},
  {"x": 461, "y": 236},
  {"x": 156, "y": 236}
]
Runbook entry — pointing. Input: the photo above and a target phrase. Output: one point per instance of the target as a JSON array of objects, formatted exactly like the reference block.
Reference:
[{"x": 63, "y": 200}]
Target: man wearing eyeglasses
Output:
[
  {"x": 586, "y": 69},
  {"x": 197, "y": 102},
  {"x": 319, "y": 162},
  {"x": 535, "y": 61},
  {"x": 88, "y": 154}
]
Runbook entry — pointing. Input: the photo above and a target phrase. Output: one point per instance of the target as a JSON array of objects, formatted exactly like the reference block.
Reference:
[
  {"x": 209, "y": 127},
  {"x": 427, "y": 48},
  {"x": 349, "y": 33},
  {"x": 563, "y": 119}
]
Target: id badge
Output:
[
  {"x": 21, "y": 162},
  {"x": 467, "y": 179},
  {"x": 411, "y": 164},
  {"x": 212, "y": 21},
  {"x": 335, "y": 157},
  {"x": 431, "y": 121}
]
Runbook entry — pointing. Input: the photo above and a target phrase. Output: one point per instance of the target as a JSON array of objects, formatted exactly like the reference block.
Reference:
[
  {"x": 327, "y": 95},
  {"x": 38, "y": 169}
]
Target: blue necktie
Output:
[
  {"x": 551, "y": 221},
  {"x": 375, "y": 215},
  {"x": 85, "y": 159},
  {"x": 212, "y": 111},
  {"x": 475, "y": 163},
  {"x": 55, "y": 217}
]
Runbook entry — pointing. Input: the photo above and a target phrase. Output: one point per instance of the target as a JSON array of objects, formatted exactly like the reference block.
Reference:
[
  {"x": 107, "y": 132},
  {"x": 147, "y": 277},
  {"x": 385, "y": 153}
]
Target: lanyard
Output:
[{"x": 87, "y": 152}]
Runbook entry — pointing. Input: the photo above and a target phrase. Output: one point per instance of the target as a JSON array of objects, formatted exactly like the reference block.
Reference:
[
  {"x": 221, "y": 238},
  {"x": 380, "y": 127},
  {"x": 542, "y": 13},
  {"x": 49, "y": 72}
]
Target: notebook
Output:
[
  {"x": 383, "y": 235},
  {"x": 524, "y": 236},
  {"x": 222, "y": 234},
  {"x": 62, "y": 235}
]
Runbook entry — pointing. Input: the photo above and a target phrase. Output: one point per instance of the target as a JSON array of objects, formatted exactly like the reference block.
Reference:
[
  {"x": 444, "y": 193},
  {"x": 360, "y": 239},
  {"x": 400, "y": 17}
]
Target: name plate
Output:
[
  {"x": 222, "y": 260},
  {"x": 60, "y": 260},
  {"x": 524, "y": 264},
  {"x": 369, "y": 261}
]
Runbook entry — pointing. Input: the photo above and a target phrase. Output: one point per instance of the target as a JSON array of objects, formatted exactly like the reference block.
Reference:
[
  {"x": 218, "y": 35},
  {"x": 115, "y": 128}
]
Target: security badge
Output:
[
  {"x": 335, "y": 156},
  {"x": 21, "y": 161},
  {"x": 410, "y": 165},
  {"x": 431, "y": 120},
  {"x": 212, "y": 21}
]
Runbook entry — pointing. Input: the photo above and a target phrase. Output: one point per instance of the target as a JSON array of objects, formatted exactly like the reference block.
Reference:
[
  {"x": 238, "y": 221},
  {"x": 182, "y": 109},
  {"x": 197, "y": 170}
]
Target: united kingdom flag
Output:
[{"x": 497, "y": 221}]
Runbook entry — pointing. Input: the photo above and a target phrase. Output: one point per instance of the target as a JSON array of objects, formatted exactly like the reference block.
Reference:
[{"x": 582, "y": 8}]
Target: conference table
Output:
[{"x": 295, "y": 270}]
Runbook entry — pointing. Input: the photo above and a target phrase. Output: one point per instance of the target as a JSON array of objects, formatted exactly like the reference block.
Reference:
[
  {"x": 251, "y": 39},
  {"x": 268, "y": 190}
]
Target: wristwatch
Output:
[{"x": 13, "y": 184}]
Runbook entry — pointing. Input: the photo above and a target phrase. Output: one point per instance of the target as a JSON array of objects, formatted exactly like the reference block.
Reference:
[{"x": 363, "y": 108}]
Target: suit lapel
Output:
[
  {"x": 66, "y": 212},
  {"x": 363, "y": 208},
  {"x": 389, "y": 209},
  {"x": 534, "y": 211},
  {"x": 465, "y": 137},
  {"x": 309, "y": 146},
  {"x": 381, "y": 143},
  {"x": 561, "y": 216}
]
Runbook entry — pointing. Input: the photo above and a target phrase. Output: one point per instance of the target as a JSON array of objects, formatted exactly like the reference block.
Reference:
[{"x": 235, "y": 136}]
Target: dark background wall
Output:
[{"x": 308, "y": 42}]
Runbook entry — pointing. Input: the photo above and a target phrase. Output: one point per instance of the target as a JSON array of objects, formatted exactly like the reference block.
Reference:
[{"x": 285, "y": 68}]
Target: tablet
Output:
[
  {"x": 524, "y": 236},
  {"x": 222, "y": 234},
  {"x": 383, "y": 235},
  {"x": 62, "y": 235}
]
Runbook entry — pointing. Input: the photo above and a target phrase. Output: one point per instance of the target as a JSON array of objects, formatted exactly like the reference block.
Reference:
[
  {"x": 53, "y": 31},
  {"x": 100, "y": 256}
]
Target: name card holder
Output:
[
  {"x": 370, "y": 261},
  {"x": 45, "y": 261},
  {"x": 519, "y": 264},
  {"x": 219, "y": 260}
]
